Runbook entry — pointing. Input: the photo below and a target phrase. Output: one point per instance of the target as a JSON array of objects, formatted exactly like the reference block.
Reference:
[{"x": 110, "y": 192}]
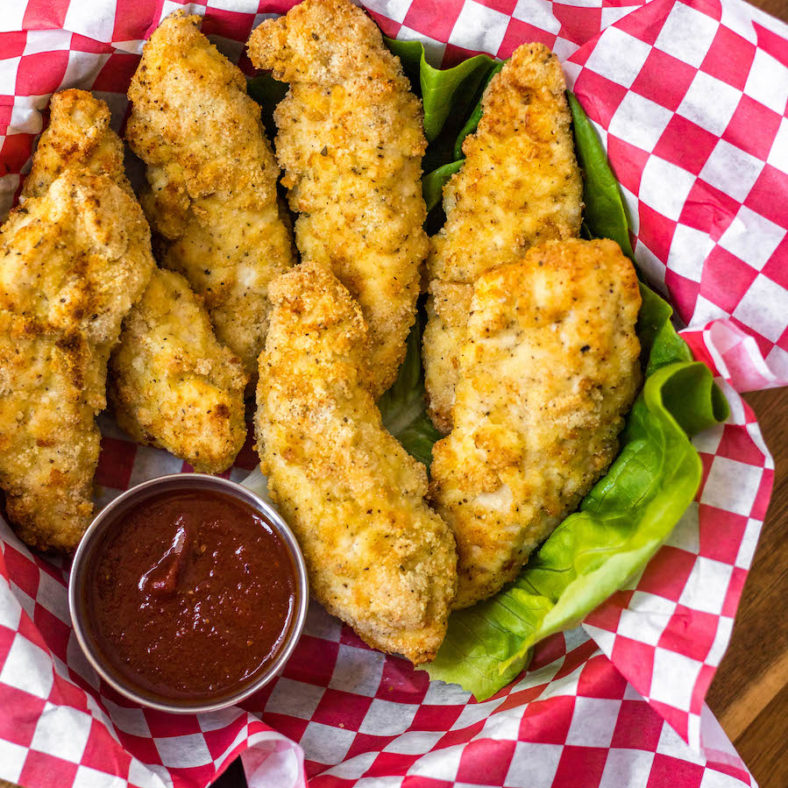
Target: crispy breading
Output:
[
  {"x": 72, "y": 262},
  {"x": 448, "y": 306},
  {"x": 519, "y": 186},
  {"x": 350, "y": 142},
  {"x": 548, "y": 369},
  {"x": 50, "y": 390},
  {"x": 212, "y": 178},
  {"x": 172, "y": 383},
  {"x": 378, "y": 556},
  {"x": 76, "y": 258},
  {"x": 79, "y": 136}
]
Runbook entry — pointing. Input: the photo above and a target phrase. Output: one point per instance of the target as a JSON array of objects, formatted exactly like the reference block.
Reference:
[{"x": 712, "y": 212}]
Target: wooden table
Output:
[{"x": 749, "y": 693}]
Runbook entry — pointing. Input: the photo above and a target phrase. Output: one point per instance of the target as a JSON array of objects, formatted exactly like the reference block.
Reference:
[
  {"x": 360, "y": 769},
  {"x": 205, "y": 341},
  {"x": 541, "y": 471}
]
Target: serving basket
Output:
[{"x": 689, "y": 99}]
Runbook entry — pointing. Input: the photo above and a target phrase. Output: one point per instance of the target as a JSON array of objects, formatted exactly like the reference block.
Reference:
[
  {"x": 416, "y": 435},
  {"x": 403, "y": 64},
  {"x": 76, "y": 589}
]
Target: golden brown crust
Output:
[
  {"x": 77, "y": 257},
  {"x": 519, "y": 186},
  {"x": 72, "y": 262},
  {"x": 378, "y": 557},
  {"x": 448, "y": 306},
  {"x": 79, "y": 136},
  {"x": 49, "y": 444},
  {"x": 548, "y": 369},
  {"x": 350, "y": 142},
  {"x": 212, "y": 178},
  {"x": 173, "y": 385}
]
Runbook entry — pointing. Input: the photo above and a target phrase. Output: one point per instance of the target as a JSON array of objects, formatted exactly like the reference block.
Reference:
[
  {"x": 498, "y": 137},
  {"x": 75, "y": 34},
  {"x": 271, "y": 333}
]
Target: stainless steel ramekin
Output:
[{"x": 111, "y": 515}]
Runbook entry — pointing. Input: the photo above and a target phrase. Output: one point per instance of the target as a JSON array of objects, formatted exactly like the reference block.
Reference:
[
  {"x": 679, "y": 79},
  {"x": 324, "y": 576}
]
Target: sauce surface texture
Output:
[{"x": 190, "y": 595}]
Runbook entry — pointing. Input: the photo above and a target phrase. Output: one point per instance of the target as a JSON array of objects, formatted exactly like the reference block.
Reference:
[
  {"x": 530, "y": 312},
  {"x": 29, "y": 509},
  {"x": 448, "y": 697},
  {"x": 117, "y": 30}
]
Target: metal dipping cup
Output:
[{"x": 111, "y": 515}]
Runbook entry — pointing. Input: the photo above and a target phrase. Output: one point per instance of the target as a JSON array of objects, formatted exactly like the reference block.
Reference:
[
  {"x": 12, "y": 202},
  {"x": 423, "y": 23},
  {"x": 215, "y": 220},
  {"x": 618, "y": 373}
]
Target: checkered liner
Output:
[{"x": 690, "y": 99}]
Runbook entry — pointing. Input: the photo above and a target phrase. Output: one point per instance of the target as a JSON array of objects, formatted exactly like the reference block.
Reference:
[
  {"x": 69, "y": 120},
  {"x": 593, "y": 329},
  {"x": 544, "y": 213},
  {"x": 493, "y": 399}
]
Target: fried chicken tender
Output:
[
  {"x": 519, "y": 186},
  {"x": 350, "y": 142},
  {"x": 378, "y": 557},
  {"x": 72, "y": 263},
  {"x": 548, "y": 369},
  {"x": 78, "y": 136},
  {"x": 212, "y": 178},
  {"x": 173, "y": 385},
  {"x": 51, "y": 388},
  {"x": 76, "y": 258}
]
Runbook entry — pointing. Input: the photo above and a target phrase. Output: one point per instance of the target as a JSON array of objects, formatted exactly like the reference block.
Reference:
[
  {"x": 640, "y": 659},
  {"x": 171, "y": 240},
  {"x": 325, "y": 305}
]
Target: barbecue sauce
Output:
[{"x": 191, "y": 596}]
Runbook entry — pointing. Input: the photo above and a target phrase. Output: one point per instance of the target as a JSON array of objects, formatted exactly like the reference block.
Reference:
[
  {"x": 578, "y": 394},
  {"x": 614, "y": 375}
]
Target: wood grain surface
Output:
[
  {"x": 778, "y": 8},
  {"x": 749, "y": 693}
]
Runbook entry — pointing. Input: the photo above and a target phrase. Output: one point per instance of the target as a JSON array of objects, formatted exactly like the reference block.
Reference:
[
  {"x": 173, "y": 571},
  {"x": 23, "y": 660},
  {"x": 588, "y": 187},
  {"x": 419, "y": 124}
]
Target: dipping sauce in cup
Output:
[{"x": 187, "y": 593}]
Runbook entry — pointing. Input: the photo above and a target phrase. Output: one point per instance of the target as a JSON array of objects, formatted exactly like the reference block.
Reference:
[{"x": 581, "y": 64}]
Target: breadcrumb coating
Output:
[
  {"x": 378, "y": 557},
  {"x": 51, "y": 388},
  {"x": 548, "y": 369},
  {"x": 77, "y": 258},
  {"x": 72, "y": 263},
  {"x": 79, "y": 135},
  {"x": 519, "y": 186},
  {"x": 172, "y": 384},
  {"x": 350, "y": 142},
  {"x": 212, "y": 178}
]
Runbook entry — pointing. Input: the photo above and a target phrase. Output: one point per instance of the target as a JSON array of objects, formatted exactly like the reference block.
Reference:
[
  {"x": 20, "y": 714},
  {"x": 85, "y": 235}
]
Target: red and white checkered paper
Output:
[{"x": 690, "y": 99}]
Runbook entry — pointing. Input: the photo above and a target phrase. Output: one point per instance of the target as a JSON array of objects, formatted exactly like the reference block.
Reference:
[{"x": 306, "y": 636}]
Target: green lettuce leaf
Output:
[
  {"x": 473, "y": 119},
  {"x": 432, "y": 184},
  {"x": 444, "y": 92},
  {"x": 659, "y": 342},
  {"x": 451, "y": 99},
  {"x": 434, "y": 180},
  {"x": 631, "y": 510},
  {"x": 403, "y": 406},
  {"x": 604, "y": 214}
]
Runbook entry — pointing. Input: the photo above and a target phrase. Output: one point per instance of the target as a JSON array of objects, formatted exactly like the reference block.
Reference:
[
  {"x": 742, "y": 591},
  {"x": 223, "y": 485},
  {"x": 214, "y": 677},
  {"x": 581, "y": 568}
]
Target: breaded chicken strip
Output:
[
  {"x": 72, "y": 263},
  {"x": 378, "y": 556},
  {"x": 548, "y": 369},
  {"x": 519, "y": 186},
  {"x": 212, "y": 179},
  {"x": 77, "y": 258},
  {"x": 172, "y": 383},
  {"x": 78, "y": 136},
  {"x": 350, "y": 142},
  {"x": 50, "y": 391}
]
